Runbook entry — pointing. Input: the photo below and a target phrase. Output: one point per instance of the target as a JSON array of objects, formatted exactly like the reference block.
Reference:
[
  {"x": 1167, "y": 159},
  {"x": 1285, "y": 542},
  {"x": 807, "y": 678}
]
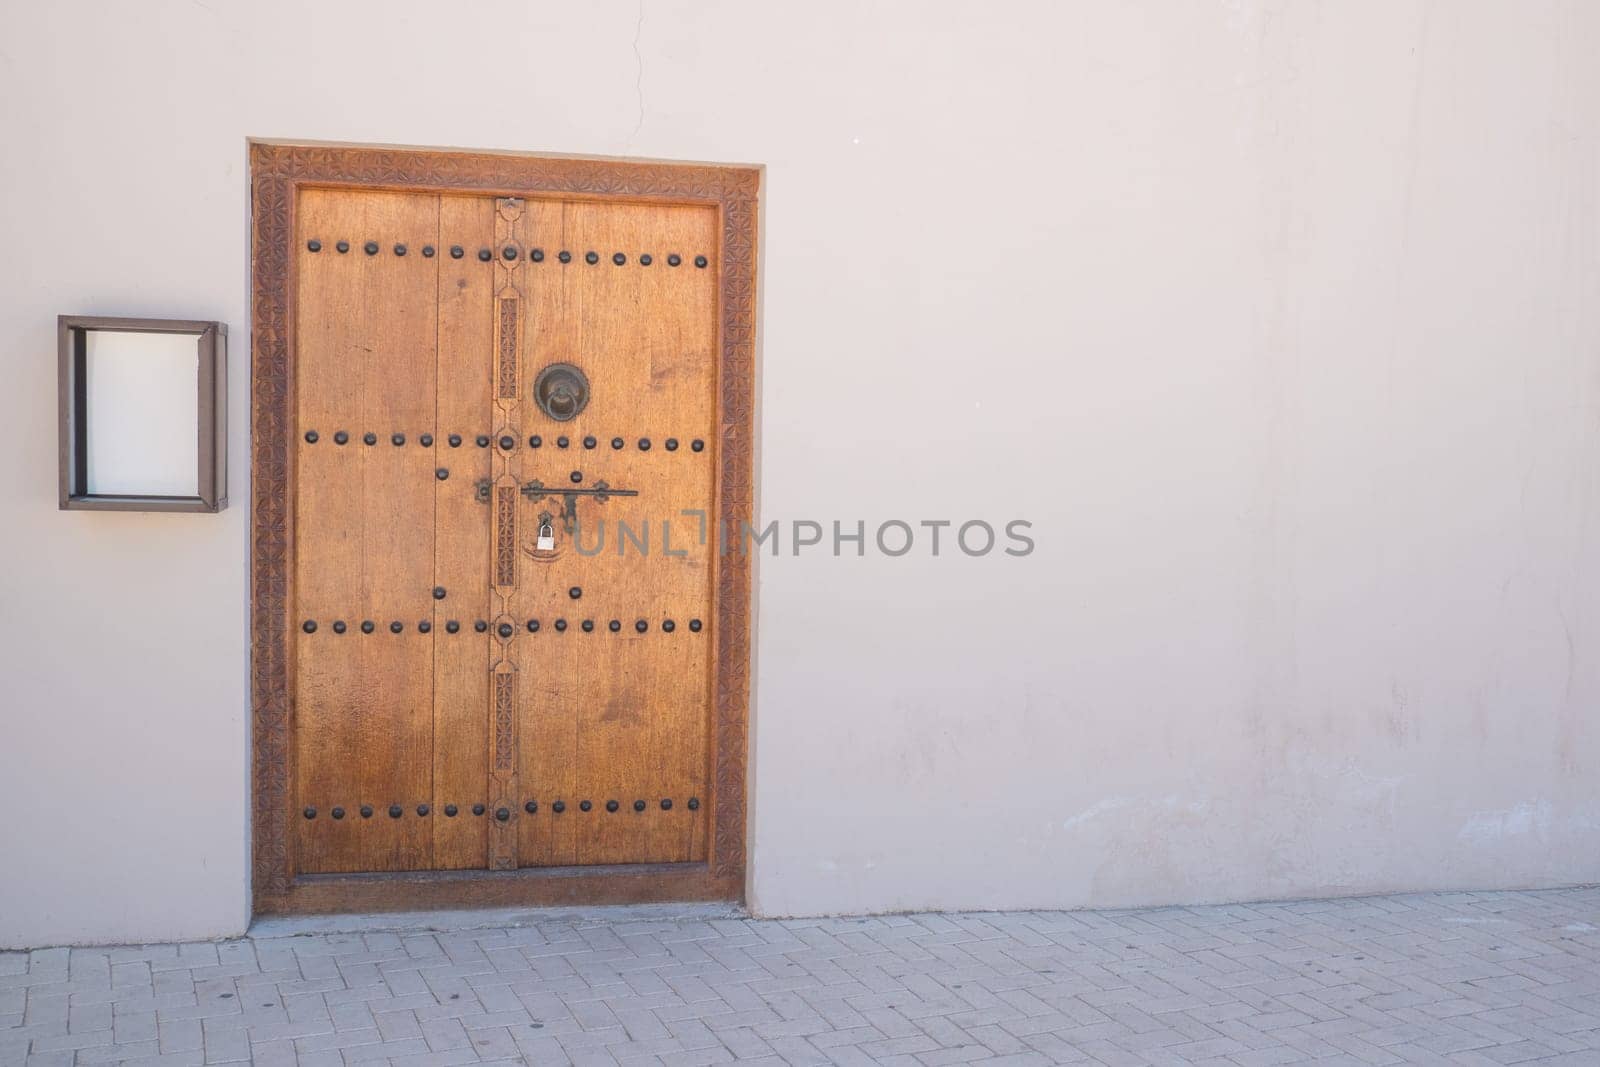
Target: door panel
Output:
[
  {"x": 476, "y": 723},
  {"x": 620, "y": 716}
]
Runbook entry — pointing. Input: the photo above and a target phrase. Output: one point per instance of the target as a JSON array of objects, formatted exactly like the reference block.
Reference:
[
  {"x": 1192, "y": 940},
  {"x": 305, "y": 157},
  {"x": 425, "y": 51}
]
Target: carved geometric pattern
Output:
[
  {"x": 277, "y": 171},
  {"x": 507, "y": 327},
  {"x": 736, "y": 373},
  {"x": 504, "y": 716},
  {"x": 505, "y": 535},
  {"x": 507, "y": 378}
]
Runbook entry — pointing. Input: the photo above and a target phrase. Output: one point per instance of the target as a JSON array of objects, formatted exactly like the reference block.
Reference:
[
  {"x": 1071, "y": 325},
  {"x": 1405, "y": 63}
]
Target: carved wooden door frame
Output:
[{"x": 278, "y": 171}]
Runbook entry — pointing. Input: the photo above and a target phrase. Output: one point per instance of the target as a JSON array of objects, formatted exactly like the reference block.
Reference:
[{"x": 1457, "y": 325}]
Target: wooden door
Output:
[{"x": 507, "y": 486}]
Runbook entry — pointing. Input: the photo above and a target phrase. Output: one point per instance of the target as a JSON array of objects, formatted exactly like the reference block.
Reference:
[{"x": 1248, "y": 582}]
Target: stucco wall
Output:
[{"x": 1278, "y": 320}]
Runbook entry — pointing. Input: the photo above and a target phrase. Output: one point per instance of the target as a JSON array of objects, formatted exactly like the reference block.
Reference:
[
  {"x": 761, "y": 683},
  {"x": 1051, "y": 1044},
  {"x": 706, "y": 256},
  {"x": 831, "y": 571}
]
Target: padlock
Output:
[{"x": 547, "y": 537}]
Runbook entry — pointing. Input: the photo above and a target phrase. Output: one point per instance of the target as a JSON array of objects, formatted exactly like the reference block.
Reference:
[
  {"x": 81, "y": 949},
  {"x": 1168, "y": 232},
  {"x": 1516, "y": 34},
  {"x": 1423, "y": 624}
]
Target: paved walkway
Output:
[{"x": 1459, "y": 978}]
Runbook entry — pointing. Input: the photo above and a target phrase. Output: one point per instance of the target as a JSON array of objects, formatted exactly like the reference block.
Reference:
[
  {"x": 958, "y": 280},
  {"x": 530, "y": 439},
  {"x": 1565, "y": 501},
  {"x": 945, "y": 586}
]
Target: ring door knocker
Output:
[{"x": 561, "y": 391}]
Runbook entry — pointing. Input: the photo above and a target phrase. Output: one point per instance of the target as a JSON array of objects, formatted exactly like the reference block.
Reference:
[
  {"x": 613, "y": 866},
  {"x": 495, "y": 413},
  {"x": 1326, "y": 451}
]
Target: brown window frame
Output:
[{"x": 211, "y": 405}]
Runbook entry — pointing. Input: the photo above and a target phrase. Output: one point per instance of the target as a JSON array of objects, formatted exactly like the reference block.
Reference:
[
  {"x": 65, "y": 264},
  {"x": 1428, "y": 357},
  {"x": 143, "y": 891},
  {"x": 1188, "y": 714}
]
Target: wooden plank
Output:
[
  {"x": 546, "y": 657},
  {"x": 365, "y": 530},
  {"x": 682, "y": 347},
  {"x": 329, "y": 534},
  {"x": 461, "y": 548}
]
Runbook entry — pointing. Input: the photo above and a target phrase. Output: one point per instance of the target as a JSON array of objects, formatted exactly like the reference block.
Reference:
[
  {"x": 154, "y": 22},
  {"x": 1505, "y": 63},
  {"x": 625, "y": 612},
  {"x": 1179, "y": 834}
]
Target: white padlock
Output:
[{"x": 547, "y": 538}]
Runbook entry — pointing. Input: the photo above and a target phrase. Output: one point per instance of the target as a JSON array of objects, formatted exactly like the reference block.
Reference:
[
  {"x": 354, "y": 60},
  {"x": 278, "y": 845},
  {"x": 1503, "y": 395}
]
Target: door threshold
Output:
[
  {"x": 529, "y": 887},
  {"x": 468, "y": 919}
]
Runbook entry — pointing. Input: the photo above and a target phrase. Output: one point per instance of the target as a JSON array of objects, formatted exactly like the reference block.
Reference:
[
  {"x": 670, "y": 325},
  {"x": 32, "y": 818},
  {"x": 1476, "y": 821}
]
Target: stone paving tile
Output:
[{"x": 1447, "y": 978}]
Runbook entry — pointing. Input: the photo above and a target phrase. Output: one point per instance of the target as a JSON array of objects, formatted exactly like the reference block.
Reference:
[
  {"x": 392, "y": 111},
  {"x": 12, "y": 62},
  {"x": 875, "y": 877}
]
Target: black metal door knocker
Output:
[{"x": 561, "y": 391}]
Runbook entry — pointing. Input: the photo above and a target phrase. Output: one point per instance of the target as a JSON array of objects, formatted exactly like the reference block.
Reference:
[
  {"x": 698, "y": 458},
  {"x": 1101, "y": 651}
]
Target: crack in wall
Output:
[{"x": 638, "y": 82}]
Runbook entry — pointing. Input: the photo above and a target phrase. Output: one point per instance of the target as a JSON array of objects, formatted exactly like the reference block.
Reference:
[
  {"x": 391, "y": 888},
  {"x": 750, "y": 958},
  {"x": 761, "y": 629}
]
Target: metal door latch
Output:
[{"x": 600, "y": 491}]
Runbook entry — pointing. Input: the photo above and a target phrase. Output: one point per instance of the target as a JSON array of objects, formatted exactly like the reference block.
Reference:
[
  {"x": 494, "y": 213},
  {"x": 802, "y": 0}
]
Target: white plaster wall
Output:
[{"x": 1278, "y": 320}]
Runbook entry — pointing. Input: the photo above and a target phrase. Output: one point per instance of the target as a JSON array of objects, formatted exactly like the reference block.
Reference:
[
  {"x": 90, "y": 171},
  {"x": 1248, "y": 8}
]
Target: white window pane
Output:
[{"x": 142, "y": 405}]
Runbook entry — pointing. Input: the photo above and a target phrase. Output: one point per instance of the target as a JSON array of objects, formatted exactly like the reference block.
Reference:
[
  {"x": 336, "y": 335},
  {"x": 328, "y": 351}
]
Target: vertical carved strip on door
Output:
[{"x": 508, "y": 255}]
